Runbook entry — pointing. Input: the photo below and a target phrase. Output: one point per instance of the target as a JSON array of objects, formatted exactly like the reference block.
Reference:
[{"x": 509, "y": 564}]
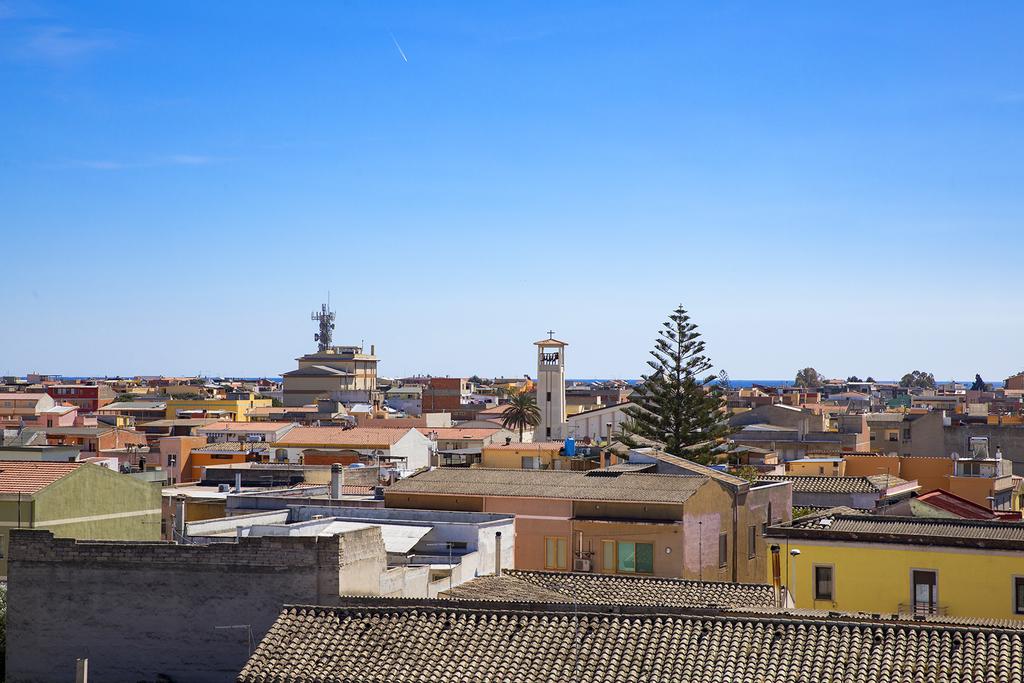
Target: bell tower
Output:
[{"x": 550, "y": 388}]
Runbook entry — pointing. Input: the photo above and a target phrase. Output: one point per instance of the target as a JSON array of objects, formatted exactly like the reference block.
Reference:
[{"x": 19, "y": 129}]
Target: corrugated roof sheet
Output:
[
  {"x": 874, "y": 483},
  {"x": 594, "y": 485},
  {"x": 338, "y": 436}
]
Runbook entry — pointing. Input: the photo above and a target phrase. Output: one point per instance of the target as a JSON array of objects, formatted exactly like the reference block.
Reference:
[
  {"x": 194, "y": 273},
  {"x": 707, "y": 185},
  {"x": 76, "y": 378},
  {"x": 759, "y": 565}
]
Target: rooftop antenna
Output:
[{"x": 326, "y": 319}]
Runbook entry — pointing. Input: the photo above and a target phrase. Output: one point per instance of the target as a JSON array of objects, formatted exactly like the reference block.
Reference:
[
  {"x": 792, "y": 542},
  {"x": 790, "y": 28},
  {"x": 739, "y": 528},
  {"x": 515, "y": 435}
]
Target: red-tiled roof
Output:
[
  {"x": 224, "y": 426},
  {"x": 17, "y": 476},
  {"x": 496, "y": 410},
  {"x": 961, "y": 507},
  {"x": 450, "y": 433}
]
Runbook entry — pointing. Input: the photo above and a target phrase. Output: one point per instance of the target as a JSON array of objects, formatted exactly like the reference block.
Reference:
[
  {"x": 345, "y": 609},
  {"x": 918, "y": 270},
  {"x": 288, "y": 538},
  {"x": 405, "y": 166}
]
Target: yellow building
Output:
[
  {"x": 541, "y": 455},
  {"x": 234, "y": 408},
  {"x": 840, "y": 560},
  {"x": 817, "y": 466}
]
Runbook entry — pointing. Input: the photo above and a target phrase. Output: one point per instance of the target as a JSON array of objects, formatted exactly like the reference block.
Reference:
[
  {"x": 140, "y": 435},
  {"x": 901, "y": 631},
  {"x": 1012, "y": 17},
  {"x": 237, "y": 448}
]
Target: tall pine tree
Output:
[{"x": 679, "y": 404}]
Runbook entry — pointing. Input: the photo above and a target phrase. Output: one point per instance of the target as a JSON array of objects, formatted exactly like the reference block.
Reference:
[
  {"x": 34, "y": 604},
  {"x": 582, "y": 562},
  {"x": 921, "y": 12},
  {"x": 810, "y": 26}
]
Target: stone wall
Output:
[{"x": 164, "y": 612}]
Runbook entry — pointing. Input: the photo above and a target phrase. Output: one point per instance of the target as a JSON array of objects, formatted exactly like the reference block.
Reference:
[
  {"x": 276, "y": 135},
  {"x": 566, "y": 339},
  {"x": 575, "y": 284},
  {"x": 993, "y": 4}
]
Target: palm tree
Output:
[{"x": 522, "y": 412}]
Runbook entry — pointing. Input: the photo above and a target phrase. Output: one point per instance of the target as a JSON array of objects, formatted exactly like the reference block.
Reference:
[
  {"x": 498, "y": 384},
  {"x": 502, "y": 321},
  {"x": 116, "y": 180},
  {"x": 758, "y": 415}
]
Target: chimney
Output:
[
  {"x": 776, "y": 575},
  {"x": 497, "y": 553},
  {"x": 238, "y": 482},
  {"x": 179, "y": 516},
  {"x": 373, "y": 349},
  {"x": 81, "y": 671},
  {"x": 337, "y": 480}
]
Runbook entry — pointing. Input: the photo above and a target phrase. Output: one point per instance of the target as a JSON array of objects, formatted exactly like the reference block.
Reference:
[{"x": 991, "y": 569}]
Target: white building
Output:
[{"x": 598, "y": 423}]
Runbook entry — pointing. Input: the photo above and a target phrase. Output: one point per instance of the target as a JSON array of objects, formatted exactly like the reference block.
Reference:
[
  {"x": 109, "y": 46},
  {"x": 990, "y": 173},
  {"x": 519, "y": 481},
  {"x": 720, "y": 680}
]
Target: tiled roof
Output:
[
  {"x": 695, "y": 468},
  {"x": 563, "y": 587},
  {"x": 135, "y": 405},
  {"x": 593, "y": 485},
  {"x": 79, "y": 431},
  {"x": 233, "y": 447},
  {"x": 16, "y": 396},
  {"x": 840, "y": 524},
  {"x": 539, "y": 446},
  {"x": 19, "y": 476},
  {"x": 495, "y": 410},
  {"x": 223, "y": 426},
  {"x": 338, "y": 436},
  {"x": 179, "y": 422},
  {"x": 961, "y": 507},
  {"x": 875, "y": 483},
  {"x": 280, "y": 410},
  {"x": 450, "y": 433},
  {"x": 317, "y": 371},
  {"x": 441, "y": 643}
]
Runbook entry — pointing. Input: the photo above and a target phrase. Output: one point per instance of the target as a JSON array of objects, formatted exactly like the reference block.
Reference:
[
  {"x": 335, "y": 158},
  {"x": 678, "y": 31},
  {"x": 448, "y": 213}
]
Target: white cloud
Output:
[
  {"x": 62, "y": 45},
  {"x": 120, "y": 165}
]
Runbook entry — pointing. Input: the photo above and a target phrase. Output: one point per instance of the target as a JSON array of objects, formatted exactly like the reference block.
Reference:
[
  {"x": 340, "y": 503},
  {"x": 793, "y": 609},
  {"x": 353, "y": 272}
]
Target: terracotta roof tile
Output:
[
  {"x": 562, "y": 587},
  {"x": 17, "y": 476},
  {"x": 450, "y": 433},
  {"x": 442, "y": 643}
]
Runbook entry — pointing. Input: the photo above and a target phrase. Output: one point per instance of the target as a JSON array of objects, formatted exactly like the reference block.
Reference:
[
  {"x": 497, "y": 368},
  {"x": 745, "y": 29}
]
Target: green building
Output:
[{"x": 76, "y": 500}]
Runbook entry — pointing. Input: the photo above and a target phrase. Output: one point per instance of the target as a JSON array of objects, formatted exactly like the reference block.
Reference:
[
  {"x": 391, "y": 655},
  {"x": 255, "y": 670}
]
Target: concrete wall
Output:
[
  {"x": 1008, "y": 437},
  {"x": 143, "y": 610}
]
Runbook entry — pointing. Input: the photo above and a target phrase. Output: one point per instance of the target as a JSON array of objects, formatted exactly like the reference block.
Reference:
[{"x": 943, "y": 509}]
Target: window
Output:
[
  {"x": 549, "y": 397},
  {"x": 924, "y": 591},
  {"x": 1018, "y": 595},
  {"x": 608, "y": 556},
  {"x": 752, "y": 542},
  {"x": 556, "y": 553},
  {"x": 723, "y": 550},
  {"x": 823, "y": 583},
  {"x": 626, "y": 557}
]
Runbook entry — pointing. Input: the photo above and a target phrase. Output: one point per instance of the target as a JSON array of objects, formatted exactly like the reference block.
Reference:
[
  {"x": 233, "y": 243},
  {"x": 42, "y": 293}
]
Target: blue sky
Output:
[{"x": 820, "y": 184}]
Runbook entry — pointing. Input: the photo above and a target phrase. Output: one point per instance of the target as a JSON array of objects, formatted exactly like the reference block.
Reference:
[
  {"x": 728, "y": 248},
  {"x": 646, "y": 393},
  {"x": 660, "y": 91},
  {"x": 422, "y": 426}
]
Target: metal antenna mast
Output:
[{"x": 326, "y": 319}]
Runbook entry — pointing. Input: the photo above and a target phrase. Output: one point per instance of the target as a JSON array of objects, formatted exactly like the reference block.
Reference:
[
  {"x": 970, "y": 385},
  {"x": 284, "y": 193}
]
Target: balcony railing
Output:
[{"x": 923, "y": 609}]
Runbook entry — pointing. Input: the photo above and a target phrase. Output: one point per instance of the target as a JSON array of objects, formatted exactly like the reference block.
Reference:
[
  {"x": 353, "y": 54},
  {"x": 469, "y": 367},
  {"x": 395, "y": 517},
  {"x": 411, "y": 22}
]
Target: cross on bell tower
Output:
[{"x": 551, "y": 388}]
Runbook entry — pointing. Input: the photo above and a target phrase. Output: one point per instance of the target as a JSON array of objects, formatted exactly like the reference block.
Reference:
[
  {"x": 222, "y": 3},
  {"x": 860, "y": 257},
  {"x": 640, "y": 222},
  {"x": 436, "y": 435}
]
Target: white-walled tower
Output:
[{"x": 550, "y": 389}]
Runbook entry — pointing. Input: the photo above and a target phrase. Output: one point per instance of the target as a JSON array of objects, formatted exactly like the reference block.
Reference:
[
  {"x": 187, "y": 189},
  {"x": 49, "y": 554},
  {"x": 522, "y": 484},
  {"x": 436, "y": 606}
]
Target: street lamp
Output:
[{"x": 793, "y": 554}]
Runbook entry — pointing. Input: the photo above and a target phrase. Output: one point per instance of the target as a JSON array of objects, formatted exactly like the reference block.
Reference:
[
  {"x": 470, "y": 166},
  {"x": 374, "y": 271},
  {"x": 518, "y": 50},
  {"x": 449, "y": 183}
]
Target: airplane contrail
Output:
[{"x": 400, "y": 50}]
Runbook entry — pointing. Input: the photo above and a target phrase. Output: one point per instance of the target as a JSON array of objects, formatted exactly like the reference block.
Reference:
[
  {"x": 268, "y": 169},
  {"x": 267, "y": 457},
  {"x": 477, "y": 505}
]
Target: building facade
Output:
[
  {"x": 903, "y": 565},
  {"x": 550, "y": 389}
]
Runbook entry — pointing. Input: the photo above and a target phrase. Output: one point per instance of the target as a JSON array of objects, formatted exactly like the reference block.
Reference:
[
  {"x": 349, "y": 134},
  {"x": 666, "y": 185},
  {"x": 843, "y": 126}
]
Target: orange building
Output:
[
  {"x": 956, "y": 476},
  {"x": 613, "y": 521},
  {"x": 228, "y": 453}
]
